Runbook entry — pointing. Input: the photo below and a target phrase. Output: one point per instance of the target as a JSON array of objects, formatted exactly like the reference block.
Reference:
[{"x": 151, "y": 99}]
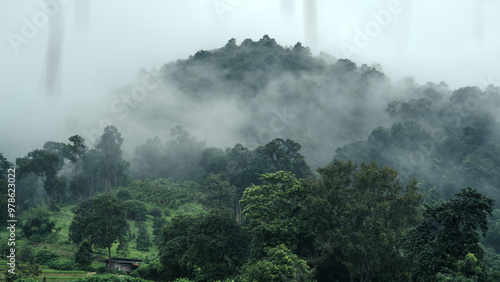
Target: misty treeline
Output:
[{"x": 336, "y": 173}]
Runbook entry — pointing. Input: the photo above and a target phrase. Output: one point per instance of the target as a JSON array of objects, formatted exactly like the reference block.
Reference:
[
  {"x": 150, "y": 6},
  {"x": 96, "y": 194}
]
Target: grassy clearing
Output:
[{"x": 59, "y": 242}]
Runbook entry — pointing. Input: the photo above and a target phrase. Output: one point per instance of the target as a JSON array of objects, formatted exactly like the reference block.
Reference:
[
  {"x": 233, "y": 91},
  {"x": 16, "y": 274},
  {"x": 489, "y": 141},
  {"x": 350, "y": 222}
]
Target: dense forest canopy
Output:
[{"x": 261, "y": 162}]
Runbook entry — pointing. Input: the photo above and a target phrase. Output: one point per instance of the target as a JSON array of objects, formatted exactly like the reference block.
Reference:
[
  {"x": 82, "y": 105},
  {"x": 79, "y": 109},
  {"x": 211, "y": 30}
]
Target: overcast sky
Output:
[{"x": 453, "y": 41}]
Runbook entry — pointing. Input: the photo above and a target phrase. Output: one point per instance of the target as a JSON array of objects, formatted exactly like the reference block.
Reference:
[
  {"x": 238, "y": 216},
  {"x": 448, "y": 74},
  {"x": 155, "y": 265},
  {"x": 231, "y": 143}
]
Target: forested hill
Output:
[
  {"x": 299, "y": 168},
  {"x": 256, "y": 91}
]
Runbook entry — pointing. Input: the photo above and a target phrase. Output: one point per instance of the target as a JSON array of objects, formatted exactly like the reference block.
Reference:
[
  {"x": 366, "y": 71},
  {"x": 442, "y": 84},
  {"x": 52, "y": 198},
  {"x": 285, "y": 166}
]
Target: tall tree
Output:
[
  {"x": 75, "y": 152},
  {"x": 112, "y": 167},
  {"x": 100, "y": 220},
  {"x": 359, "y": 215},
  {"x": 209, "y": 245},
  {"x": 150, "y": 160},
  {"x": 183, "y": 154},
  {"x": 272, "y": 212},
  {"x": 449, "y": 231},
  {"x": 45, "y": 165}
]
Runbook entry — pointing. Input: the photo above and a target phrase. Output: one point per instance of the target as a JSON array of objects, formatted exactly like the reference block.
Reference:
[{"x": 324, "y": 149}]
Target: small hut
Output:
[{"x": 128, "y": 265}]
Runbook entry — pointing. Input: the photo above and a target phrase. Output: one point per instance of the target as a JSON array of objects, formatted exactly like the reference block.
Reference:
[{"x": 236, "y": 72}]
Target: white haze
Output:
[{"x": 452, "y": 41}]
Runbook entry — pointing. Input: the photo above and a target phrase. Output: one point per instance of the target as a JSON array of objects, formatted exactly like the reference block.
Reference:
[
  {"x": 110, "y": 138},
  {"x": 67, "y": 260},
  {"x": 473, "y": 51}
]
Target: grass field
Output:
[{"x": 59, "y": 242}]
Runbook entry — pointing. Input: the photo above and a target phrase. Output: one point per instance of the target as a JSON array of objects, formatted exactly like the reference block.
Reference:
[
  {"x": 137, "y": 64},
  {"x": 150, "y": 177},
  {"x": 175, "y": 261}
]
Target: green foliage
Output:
[
  {"x": 219, "y": 192},
  {"x": 158, "y": 223},
  {"x": 164, "y": 192},
  {"x": 45, "y": 255},
  {"x": 492, "y": 239},
  {"x": 101, "y": 220},
  {"x": 46, "y": 166},
  {"x": 448, "y": 233},
  {"x": 271, "y": 211},
  {"x": 62, "y": 264},
  {"x": 283, "y": 155},
  {"x": 109, "y": 278},
  {"x": 143, "y": 239},
  {"x": 112, "y": 169},
  {"x": 208, "y": 246},
  {"x": 155, "y": 212},
  {"x": 357, "y": 216},
  {"x": 36, "y": 221},
  {"x": 136, "y": 210},
  {"x": 27, "y": 254},
  {"x": 84, "y": 255},
  {"x": 149, "y": 269},
  {"x": 124, "y": 195},
  {"x": 279, "y": 264}
]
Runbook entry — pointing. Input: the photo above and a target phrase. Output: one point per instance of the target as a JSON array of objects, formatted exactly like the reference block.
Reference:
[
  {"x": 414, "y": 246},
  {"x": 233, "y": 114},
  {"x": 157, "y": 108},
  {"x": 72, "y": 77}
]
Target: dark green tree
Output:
[
  {"x": 279, "y": 264},
  {"x": 136, "y": 210},
  {"x": 219, "y": 192},
  {"x": 272, "y": 212},
  {"x": 75, "y": 152},
  {"x": 143, "y": 239},
  {"x": 84, "y": 255},
  {"x": 36, "y": 223},
  {"x": 209, "y": 246},
  {"x": 183, "y": 155},
  {"x": 100, "y": 220},
  {"x": 358, "y": 216},
  {"x": 112, "y": 168},
  {"x": 150, "y": 160},
  {"x": 449, "y": 231},
  {"x": 46, "y": 165}
]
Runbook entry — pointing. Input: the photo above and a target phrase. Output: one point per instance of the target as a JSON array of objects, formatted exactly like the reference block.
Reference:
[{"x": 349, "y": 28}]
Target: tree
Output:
[
  {"x": 45, "y": 165},
  {"x": 75, "y": 152},
  {"x": 271, "y": 211},
  {"x": 36, "y": 222},
  {"x": 183, "y": 154},
  {"x": 158, "y": 223},
  {"x": 112, "y": 167},
  {"x": 136, "y": 210},
  {"x": 208, "y": 245},
  {"x": 100, "y": 220},
  {"x": 358, "y": 215},
  {"x": 279, "y": 264},
  {"x": 150, "y": 160},
  {"x": 143, "y": 239},
  {"x": 84, "y": 254},
  {"x": 284, "y": 155},
  {"x": 449, "y": 231},
  {"x": 219, "y": 193}
]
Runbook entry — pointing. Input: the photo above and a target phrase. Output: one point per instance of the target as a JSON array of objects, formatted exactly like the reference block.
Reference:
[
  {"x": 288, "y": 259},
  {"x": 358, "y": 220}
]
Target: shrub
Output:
[
  {"x": 83, "y": 257},
  {"x": 36, "y": 223},
  {"x": 151, "y": 270},
  {"x": 124, "y": 195},
  {"x": 155, "y": 212},
  {"x": 143, "y": 239},
  {"x": 136, "y": 210},
  {"x": 62, "y": 264},
  {"x": 45, "y": 255}
]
